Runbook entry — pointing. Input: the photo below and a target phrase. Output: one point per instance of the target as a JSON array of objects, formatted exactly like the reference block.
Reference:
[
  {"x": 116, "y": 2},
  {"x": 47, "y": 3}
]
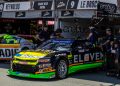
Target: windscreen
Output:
[{"x": 56, "y": 45}]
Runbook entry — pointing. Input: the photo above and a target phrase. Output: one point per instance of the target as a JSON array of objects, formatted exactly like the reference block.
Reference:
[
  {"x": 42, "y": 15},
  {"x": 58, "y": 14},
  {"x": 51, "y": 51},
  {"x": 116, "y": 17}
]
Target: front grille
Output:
[{"x": 24, "y": 68}]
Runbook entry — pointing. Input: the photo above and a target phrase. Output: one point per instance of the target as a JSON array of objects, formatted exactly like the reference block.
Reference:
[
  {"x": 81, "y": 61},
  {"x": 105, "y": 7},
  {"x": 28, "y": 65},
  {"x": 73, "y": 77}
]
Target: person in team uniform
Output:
[
  {"x": 57, "y": 34},
  {"x": 109, "y": 39},
  {"x": 93, "y": 36},
  {"x": 114, "y": 60}
]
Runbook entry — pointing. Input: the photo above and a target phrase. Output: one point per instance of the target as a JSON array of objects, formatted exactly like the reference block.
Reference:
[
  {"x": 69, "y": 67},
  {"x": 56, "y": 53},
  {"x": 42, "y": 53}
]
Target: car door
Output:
[
  {"x": 77, "y": 53},
  {"x": 83, "y": 52},
  {"x": 92, "y": 54}
]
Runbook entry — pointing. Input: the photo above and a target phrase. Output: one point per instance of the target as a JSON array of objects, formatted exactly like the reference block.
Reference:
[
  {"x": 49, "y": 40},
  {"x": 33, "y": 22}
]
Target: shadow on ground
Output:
[
  {"x": 33, "y": 79},
  {"x": 99, "y": 76},
  {"x": 4, "y": 64}
]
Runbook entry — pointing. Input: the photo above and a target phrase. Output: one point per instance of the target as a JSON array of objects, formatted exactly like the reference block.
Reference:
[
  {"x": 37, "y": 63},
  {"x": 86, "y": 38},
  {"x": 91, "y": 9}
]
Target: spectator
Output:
[{"x": 57, "y": 34}]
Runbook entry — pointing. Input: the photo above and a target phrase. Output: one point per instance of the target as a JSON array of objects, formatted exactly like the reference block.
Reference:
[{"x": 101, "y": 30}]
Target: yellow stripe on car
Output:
[{"x": 24, "y": 63}]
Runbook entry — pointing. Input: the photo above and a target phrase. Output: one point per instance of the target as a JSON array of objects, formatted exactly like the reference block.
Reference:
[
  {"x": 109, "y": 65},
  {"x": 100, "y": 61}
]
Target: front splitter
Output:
[{"x": 48, "y": 75}]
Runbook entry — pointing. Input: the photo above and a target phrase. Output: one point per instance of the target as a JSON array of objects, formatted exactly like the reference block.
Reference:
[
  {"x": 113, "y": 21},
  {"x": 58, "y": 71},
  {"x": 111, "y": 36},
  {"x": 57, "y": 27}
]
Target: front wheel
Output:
[{"x": 61, "y": 69}]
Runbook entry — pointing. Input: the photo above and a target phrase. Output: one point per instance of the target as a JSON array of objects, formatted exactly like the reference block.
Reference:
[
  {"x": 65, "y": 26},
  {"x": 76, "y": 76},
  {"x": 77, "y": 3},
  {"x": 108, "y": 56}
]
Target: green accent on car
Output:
[
  {"x": 29, "y": 75},
  {"x": 81, "y": 67},
  {"x": 49, "y": 75}
]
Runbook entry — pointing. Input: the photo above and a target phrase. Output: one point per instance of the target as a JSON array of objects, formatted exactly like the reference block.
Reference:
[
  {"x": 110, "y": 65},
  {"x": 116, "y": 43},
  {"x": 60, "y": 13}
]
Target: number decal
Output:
[{"x": 72, "y": 4}]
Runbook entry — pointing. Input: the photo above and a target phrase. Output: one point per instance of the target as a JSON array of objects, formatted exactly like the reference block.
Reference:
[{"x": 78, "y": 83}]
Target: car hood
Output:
[{"x": 33, "y": 55}]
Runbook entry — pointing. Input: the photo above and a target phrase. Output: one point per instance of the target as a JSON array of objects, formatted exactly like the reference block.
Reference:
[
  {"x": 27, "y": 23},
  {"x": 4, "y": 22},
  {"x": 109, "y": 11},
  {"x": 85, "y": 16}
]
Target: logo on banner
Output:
[
  {"x": 20, "y": 14},
  {"x": 46, "y": 13},
  {"x": 107, "y": 7},
  {"x": 1, "y": 6},
  {"x": 67, "y": 13},
  {"x": 67, "y": 4},
  {"x": 61, "y": 4}
]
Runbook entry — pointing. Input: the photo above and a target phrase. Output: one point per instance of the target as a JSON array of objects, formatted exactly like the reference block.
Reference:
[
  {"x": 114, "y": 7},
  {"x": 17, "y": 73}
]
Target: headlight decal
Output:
[
  {"x": 44, "y": 65},
  {"x": 44, "y": 60}
]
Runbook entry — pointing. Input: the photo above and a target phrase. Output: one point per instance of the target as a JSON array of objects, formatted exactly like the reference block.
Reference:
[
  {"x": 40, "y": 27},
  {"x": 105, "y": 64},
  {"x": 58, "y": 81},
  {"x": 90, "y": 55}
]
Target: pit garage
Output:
[{"x": 25, "y": 26}]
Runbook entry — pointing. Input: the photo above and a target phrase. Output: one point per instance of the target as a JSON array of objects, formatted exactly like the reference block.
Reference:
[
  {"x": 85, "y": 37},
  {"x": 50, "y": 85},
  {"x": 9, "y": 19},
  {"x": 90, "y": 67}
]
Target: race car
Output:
[
  {"x": 25, "y": 44},
  {"x": 11, "y": 44},
  {"x": 56, "y": 58}
]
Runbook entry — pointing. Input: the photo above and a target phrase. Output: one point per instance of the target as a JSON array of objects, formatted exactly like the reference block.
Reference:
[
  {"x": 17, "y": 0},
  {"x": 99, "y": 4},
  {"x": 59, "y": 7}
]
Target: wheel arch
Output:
[{"x": 59, "y": 58}]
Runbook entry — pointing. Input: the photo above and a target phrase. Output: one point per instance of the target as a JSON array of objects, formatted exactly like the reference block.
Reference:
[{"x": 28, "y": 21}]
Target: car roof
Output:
[{"x": 61, "y": 40}]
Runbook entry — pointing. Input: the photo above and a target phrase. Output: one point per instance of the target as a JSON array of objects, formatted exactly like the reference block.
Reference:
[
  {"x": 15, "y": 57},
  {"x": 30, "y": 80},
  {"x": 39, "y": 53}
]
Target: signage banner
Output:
[
  {"x": 43, "y": 5},
  {"x": 66, "y": 4},
  {"x": 1, "y": 6},
  {"x": 61, "y": 4},
  {"x": 46, "y": 13},
  {"x": 67, "y": 13},
  {"x": 8, "y": 50},
  {"x": 106, "y": 8},
  {"x": 92, "y": 4},
  {"x": 72, "y": 4},
  {"x": 80, "y": 4},
  {"x": 20, "y": 14},
  {"x": 17, "y": 6},
  {"x": 109, "y": 15},
  {"x": 87, "y": 4}
]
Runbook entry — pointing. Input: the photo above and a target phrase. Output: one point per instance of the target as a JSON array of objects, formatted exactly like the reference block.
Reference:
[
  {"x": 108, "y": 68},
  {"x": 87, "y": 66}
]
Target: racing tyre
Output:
[{"x": 61, "y": 69}]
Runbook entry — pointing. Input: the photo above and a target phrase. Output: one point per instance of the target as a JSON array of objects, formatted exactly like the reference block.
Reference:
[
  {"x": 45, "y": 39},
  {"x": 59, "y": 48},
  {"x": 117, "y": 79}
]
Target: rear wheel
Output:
[{"x": 61, "y": 69}]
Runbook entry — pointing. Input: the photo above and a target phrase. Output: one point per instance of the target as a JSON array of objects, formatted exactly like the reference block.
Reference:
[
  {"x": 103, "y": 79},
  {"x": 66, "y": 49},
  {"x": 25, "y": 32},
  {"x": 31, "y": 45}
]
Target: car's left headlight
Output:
[{"x": 43, "y": 60}]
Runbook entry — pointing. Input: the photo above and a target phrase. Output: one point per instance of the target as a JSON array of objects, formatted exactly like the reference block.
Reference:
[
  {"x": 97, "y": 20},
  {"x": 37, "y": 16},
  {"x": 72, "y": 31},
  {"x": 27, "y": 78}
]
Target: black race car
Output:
[{"x": 56, "y": 58}]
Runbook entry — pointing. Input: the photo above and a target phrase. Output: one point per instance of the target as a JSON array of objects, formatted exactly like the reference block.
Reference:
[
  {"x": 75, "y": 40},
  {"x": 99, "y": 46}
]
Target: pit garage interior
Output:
[
  {"x": 25, "y": 26},
  {"x": 78, "y": 27}
]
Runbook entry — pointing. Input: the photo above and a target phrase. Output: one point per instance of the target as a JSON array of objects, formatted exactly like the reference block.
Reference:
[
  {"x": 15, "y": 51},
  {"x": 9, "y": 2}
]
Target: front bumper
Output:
[{"x": 48, "y": 75}]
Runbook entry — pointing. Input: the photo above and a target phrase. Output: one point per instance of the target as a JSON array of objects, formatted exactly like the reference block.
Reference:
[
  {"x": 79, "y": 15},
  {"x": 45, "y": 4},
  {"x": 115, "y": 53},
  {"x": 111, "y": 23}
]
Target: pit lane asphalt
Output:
[{"x": 85, "y": 78}]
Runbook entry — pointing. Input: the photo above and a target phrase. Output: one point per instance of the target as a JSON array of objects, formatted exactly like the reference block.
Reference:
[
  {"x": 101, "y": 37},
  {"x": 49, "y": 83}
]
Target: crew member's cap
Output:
[
  {"x": 108, "y": 29},
  {"x": 91, "y": 27}
]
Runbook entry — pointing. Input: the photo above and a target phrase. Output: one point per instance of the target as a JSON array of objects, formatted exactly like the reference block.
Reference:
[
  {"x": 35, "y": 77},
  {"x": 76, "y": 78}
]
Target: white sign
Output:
[
  {"x": 92, "y": 4},
  {"x": 17, "y": 6},
  {"x": 8, "y": 52}
]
